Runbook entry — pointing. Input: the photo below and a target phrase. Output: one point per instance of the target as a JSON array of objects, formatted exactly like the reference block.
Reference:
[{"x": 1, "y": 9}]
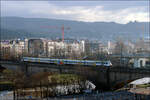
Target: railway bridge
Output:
[{"x": 106, "y": 77}]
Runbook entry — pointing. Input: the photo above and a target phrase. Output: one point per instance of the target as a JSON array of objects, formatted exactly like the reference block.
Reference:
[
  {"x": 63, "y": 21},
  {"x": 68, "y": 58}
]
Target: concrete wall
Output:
[{"x": 120, "y": 75}]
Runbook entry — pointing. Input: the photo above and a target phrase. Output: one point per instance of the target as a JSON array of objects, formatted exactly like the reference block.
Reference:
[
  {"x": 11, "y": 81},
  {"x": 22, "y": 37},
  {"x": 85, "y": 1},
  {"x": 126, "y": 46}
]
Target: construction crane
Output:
[{"x": 62, "y": 29}]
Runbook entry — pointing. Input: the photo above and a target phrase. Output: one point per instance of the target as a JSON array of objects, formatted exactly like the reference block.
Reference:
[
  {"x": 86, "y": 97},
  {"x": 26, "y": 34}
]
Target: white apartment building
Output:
[
  {"x": 110, "y": 47},
  {"x": 14, "y": 47},
  {"x": 64, "y": 48},
  {"x": 5, "y": 50},
  {"x": 18, "y": 47}
]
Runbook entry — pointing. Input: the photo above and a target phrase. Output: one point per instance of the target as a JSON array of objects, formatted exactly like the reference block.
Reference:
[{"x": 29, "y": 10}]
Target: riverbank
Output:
[{"x": 121, "y": 95}]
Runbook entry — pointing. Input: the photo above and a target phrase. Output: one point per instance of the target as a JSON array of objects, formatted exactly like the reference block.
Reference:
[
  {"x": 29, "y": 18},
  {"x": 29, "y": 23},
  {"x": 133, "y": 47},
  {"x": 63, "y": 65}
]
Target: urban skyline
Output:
[{"x": 72, "y": 49}]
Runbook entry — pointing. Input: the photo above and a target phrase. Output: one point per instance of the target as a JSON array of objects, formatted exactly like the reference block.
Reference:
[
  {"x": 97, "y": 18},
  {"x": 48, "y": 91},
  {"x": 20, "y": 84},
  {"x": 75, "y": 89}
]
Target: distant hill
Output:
[{"x": 12, "y": 27}]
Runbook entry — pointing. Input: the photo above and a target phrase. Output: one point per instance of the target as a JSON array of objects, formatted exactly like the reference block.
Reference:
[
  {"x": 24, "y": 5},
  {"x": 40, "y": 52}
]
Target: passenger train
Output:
[{"x": 67, "y": 61}]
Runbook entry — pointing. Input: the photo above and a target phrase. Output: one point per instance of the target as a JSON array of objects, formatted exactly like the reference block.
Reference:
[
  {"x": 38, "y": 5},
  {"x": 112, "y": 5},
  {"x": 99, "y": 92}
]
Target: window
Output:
[
  {"x": 147, "y": 63},
  {"x": 141, "y": 63}
]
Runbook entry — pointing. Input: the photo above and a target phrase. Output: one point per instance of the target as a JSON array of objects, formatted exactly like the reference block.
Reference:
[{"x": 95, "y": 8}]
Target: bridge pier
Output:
[
  {"x": 108, "y": 76},
  {"x": 24, "y": 67}
]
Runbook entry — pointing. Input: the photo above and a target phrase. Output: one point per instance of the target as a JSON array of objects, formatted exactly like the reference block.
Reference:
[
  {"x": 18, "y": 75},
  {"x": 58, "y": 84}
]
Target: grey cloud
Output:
[{"x": 86, "y": 12}]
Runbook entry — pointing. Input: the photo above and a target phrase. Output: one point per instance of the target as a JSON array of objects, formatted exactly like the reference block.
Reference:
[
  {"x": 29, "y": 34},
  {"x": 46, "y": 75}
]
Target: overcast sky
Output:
[{"x": 89, "y": 11}]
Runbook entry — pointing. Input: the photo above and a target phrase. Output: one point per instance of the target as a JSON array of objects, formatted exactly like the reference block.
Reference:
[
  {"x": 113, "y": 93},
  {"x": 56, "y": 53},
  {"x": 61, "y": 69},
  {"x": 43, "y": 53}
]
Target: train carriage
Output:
[{"x": 67, "y": 61}]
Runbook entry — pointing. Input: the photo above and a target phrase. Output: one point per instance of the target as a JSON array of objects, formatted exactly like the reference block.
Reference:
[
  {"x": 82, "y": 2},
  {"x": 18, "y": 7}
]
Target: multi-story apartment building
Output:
[
  {"x": 14, "y": 48},
  {"x": 18, "y": 47},
  {"x": 35, "y": 47},
  {"x": 5, "y": 49},
  {"x": 68, "y": 47}
]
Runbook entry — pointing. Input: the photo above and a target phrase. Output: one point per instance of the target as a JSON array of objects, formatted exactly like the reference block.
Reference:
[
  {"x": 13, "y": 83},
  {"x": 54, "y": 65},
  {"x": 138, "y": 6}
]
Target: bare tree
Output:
[{"x": 120, "y": 49}]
